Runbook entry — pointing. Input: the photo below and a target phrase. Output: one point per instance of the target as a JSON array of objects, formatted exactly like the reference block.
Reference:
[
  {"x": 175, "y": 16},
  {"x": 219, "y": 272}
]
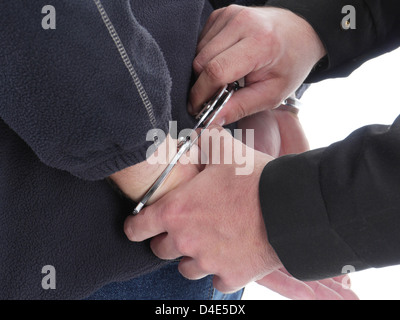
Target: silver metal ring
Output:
[{"x": 291, "y": 104}]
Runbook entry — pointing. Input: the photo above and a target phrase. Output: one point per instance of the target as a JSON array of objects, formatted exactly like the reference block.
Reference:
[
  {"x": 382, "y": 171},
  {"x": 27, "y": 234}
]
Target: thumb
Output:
[
  {"x": 147, "y": 223},
  {"x": 252, "y": 99}
]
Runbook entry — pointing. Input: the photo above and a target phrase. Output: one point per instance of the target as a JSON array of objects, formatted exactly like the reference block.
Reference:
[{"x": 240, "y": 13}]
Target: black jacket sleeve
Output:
[
  {"x": 335, "y": 207},
  {"x": 377, "y": 31},
  {"x": 339, "y": 206},
  {"x": 223, "y": 3}
]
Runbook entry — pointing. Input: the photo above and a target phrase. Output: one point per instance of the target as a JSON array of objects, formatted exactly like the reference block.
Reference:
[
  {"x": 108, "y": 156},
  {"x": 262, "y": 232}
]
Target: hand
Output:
[
  {"x": 214, "y": 221},
  {"x": 276, "y": 132},
  {"x": 224, "y": 235},
  {"x": 272, "y": 48}
]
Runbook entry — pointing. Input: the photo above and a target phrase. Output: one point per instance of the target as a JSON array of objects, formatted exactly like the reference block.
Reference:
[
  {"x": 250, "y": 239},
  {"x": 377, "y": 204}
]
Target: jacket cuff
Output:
[
  {"x": 112, "y": 164},
  {"x": 297, "y": 221},
  {"x": 105, "y": 164}
]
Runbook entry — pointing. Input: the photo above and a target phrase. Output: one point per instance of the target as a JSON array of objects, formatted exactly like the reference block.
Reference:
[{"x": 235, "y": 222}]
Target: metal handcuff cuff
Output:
[{"x": 205, "y": 118}]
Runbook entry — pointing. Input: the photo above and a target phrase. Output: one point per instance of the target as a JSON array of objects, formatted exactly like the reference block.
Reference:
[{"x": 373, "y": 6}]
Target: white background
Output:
[{"x": 332, "y": 110}]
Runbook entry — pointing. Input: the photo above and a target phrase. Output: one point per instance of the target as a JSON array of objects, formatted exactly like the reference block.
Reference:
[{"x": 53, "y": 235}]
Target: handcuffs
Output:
[{"x": 205, "y": 118}]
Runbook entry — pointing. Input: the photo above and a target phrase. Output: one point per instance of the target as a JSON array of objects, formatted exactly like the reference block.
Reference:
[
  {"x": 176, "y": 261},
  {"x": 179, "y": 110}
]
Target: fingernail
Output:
[{"x": 220, "y": 122}]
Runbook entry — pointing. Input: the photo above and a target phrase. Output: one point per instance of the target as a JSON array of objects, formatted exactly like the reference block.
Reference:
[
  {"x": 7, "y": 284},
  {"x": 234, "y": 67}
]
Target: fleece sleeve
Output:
[
  {"x": 331, "y": 208},
  {"x": 70, "y": 92},
  {"x": 376, "y": 31}
]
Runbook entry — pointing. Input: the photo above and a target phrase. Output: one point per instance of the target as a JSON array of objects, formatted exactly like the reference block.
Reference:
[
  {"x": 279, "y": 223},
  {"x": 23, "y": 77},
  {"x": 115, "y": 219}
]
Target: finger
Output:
[
  {"x": 164, "y": 247},
  {"x": 287, "y": 286},
  {"x": 266, "y": 137},
  {"x": 252, "y": 99},
  {"x": 294, "y": 139},
  {"x": 215, "y": 46},
  {"x": 189, "y": 268},
  {"x": 146, "y": 224},
  {"x": 322, "y": 292},
  {"x": 339, "y": 288},
  {"x": 212, "y": 27},
  {"x": 217, "y": 21},
  {"x": 221, "y": 70},
  {"x": 345, "y": 279}
]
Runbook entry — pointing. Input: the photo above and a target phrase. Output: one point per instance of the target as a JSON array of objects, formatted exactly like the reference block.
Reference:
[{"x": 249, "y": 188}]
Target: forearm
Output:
[{"x": 337, "y": 206}]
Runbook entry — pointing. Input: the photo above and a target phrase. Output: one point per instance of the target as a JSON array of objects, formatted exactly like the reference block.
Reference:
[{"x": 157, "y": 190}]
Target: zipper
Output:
[{"x": 128, "y": 64}]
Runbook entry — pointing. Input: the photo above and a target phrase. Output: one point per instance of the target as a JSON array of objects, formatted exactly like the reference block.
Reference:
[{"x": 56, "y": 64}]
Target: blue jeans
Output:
[{"x": 164, "y": 284}]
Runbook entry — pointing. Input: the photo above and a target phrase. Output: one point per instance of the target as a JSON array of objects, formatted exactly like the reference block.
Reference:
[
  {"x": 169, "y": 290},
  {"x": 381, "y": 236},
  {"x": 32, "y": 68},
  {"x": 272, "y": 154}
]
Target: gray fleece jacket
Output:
[{"x": 71, "y": 115}]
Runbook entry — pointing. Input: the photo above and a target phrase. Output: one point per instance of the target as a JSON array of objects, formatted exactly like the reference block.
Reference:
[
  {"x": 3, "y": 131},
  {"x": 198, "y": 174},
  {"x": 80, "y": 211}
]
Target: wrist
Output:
[
  {"x": 136, "y": 180},
  {"x": 310, "y": 40},
  {"x": 317, "y": 47},
  {"x": 300, "y": 31}
]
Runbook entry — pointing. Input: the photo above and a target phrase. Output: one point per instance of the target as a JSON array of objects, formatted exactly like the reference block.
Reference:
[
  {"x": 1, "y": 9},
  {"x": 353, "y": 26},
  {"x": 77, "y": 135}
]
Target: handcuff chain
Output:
[{"x": 205, "y": 117}]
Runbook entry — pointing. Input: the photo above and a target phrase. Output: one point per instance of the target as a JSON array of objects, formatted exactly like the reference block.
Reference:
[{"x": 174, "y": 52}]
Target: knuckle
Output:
[
  {"x": 244, "y": 16},
  {"x": 214, "y": 70},
  {"x": 241, "y": 110},
  {"x": 214, "y": 15},
  {"x": 198, "y": 65},
  {"x": 230, "y": 10}
]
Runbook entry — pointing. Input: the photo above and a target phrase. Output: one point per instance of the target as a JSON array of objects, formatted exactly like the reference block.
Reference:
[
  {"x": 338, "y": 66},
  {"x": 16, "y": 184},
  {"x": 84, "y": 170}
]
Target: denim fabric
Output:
[{"x": 164, "y": 284}]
